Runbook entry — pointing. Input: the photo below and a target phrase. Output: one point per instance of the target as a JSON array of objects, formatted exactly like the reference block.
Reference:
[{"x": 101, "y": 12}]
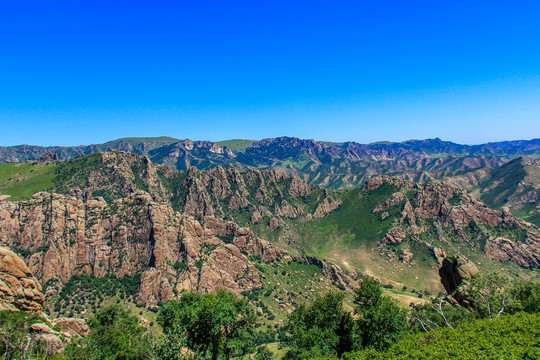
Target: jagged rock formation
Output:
[
  {"x": 514, "y": 185},
  {"x": 19, "y": 290},
  {"x": 506, "y": 238},
  {"x": 74, "y": 327},
  {"x": 65, "y": 235},
  {"x": 251, "y": 195},
  {"x": 47, "y": 159}
]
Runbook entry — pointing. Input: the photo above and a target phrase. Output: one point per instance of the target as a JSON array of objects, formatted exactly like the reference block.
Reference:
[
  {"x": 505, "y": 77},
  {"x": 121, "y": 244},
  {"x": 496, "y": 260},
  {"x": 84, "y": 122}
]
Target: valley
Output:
[{"x": 117, "y": 228}]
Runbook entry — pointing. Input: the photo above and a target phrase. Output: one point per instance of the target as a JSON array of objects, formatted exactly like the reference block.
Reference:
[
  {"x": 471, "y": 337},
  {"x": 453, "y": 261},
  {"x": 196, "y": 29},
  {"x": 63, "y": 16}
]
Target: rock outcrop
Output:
[
  {"x": 47, "y": 159},
  {"x": 454, "y": 270},
  {"x": 458, "y": 216},
  {"x": 75, "y": 327},
  {"x": 19, "y": 290}
]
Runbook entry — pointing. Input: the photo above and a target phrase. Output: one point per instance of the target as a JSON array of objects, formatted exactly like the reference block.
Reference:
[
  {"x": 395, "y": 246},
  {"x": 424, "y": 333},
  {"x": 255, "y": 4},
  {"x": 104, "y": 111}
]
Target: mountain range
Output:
[
  {"x": 259, "y": 232},
  {"x": 477, "y": 168}
]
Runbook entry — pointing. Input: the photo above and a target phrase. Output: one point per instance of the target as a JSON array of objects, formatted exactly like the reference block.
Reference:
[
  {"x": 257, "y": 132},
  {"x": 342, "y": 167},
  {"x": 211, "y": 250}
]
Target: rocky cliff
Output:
[
  {"x": 252, "y": 195},
  {"x": 63, "y": 235}
]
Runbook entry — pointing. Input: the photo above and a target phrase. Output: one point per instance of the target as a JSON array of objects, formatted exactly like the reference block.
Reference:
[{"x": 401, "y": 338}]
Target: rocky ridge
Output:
[
  {"x": 466, "y": 218},
  {"x": 224, "y": 193},
  {"x": 333, "y": 165}
]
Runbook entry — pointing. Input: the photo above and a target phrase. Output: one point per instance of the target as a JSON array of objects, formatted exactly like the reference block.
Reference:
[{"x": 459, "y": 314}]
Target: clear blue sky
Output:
[{"x": 74, "y": 72}]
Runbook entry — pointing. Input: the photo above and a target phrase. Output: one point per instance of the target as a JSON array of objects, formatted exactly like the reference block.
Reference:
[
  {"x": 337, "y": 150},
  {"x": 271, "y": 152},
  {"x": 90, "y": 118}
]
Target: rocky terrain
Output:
[
  {"x": 502, "y": 236},
  {"x": 20, "y": 291},
  {"x": 63, "y": 235},
  {"x": 119, "y": 214},
  {"x": 514, "y": 185}
]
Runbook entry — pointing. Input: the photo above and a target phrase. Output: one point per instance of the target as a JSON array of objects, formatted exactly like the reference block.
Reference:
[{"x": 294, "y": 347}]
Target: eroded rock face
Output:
[
  {"x": 326, "y": 207},
  {"x": 395, "y": 235},
  {"x": 19, "y": 290},
  {"x": 47, "y": 159},
  {"x": 174, "y": 252},
  {"x": 73, "y": 326},
  {"x": 524, "y": 254}
]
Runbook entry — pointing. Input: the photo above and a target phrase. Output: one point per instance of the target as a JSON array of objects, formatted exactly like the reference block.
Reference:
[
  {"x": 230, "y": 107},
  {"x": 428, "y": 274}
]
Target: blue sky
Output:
[{"x": 76, "y": 72}]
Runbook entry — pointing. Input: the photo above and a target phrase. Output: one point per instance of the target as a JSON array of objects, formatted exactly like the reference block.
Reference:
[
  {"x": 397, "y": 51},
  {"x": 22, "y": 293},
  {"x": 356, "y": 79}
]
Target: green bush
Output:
[{"x": 507, "y": 337}]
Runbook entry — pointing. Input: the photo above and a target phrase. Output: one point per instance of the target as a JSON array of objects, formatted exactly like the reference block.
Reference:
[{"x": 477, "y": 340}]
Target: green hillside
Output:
[
  {"x": 238, "y": 145},
  {"x": 22, "y": 180}
]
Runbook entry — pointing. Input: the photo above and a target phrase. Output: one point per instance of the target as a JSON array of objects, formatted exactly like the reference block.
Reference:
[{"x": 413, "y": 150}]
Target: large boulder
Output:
[
  {"x": 75, "y": 327},
  {"x": 454, "y": 270},
  {"x": 19, "y": 290}
]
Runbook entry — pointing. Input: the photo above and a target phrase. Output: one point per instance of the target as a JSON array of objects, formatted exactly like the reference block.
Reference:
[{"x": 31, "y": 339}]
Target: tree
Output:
[
  {"x": 527, "y": 297},
  {"x": 381, "y": 321},
  {"x": 264, "y": 353},
  {"x": 208, "y": 324},
  {"x": 114, "y": 334},
  {"x": 16, "y": 341},
  {"x": 438, "y": 315},
  {"x": 490, "y": 294},
  {"x": 323, "y": 328}
]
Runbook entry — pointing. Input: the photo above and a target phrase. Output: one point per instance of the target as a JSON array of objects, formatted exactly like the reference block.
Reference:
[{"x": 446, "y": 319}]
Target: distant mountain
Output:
[
  {"x": 270, "y": 150},
  {"x": 437, "y": 147},
  {"x": 333, "y": 165}
]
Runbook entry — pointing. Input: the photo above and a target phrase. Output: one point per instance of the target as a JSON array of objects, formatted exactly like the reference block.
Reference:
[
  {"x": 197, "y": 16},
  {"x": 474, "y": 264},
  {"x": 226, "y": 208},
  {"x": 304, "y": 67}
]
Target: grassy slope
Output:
[
  {"x": 238, "y": 145},
  {"x": 22, "y": 180},
  {"x": 350, "y": 235},
  {"x": 136, "y": 140}
]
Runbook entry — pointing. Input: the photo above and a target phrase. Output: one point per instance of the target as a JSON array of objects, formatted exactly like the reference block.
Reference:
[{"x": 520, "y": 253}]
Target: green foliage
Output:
[
  {"x": 179, "y": 266},
  {"x": 508, "y": 337},
  {"x": 210, "y": 325},
  {"x": 264, "y": 353},
  {"x": 15, "y": 339},
  {"x": 138, "y": 172},
  {"x": 322, "y": 328},
  {"x": 526, "y": 297},
  {"x": 438, "y": 315},
  {"x": 368, "y": 294},
  {"x": 238, "y": 145},
  {"x": 490, "y": 294},
  {"x": 74, "y": 173},
  {"x": 87, "y": 290},
  {"x": 381, "y": 321},
  {"x": 115, "y": 334}
]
